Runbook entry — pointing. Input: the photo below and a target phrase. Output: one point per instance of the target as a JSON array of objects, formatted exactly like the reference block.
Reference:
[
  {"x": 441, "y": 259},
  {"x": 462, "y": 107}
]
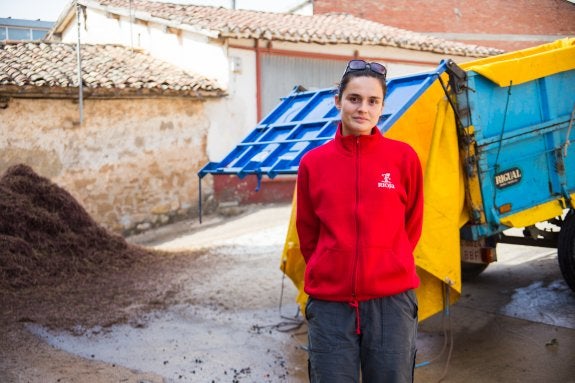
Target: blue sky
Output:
[{"x": 49, "y": 10}]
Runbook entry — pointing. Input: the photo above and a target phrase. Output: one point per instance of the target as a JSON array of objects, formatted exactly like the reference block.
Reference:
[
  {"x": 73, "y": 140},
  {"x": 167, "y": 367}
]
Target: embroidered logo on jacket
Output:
[{"x": 386, "y": 182}]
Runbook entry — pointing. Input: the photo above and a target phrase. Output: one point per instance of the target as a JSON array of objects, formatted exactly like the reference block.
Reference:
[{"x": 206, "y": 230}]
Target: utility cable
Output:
[
  {"x": 449, "y": 330},
  {"x": 500, "y": 143},
  {"x": 447, "y": 336},
  {"x": 289, "y": 324},
  {"x": 567, "y": 140}
]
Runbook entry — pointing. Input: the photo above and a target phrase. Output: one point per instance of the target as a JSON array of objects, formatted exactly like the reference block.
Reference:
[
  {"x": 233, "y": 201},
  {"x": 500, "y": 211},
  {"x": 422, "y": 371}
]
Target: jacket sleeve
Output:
[
  {"x": 414, "y": 208},
  {"x": 307, "y": 223}
]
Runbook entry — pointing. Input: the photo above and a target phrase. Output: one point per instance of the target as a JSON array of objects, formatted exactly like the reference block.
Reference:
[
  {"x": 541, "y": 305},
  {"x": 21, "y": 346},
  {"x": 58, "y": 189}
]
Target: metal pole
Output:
[
  {"x": 200, "y": 198},
  {"x": 79, "y": 61},
  {"x": 131, "y": 33}
]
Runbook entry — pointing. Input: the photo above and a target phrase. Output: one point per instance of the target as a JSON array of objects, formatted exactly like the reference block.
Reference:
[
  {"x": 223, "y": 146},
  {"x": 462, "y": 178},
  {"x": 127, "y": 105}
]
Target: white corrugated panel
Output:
[{"x": 280, "y": 74}]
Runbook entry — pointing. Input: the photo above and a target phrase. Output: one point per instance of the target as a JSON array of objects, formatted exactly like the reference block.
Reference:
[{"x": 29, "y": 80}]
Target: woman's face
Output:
[{"x": 360, "y": 104}]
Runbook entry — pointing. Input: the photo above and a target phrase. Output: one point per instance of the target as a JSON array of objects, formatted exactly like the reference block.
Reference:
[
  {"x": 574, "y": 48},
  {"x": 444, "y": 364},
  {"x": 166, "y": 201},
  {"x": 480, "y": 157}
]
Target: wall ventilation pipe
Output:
[{"x": 79, "y": 60}]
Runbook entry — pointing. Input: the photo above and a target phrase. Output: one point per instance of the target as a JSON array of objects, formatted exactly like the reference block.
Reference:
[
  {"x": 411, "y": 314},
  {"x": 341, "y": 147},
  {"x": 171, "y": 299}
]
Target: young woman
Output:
[{"x": 359, "y": 217}]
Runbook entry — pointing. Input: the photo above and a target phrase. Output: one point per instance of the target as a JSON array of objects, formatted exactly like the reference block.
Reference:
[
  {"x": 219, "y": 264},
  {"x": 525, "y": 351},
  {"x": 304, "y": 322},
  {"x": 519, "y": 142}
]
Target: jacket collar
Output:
[{"x": 349, "y": 143}]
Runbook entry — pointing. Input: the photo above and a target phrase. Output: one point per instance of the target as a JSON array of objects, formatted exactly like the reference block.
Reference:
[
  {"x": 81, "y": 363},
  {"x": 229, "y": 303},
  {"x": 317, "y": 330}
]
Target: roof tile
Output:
[
  {"x": 331, "y": 28},
  {"x": 43, "y": 64}
]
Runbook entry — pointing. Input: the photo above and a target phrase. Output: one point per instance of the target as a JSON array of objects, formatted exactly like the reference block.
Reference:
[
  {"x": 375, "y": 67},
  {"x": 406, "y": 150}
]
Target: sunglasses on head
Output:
[{"x": 355, "y": 65}]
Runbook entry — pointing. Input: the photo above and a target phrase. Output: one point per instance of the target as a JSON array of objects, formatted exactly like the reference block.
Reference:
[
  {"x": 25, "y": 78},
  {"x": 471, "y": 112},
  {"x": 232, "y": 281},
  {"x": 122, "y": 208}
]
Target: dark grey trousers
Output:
[{"x": 384, "y": 351}]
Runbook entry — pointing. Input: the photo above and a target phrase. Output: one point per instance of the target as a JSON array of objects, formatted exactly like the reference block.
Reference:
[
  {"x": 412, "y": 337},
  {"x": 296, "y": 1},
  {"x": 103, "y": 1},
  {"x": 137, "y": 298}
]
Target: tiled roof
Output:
[
  {"x": 321, "y": 29},
  {"x": 107, "y": 70}
]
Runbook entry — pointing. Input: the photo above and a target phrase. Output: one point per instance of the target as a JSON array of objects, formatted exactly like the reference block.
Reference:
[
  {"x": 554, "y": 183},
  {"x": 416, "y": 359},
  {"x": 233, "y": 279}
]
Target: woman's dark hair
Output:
[{"x": 360, "y": 73}]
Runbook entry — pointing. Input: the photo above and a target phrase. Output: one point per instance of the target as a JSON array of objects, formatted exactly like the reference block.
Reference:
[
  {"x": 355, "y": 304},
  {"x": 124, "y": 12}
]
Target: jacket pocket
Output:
[
  {"x": 415, "y": 304},
  {"x": 329, "y": 273},
  {"x": 382, "y": 271}
]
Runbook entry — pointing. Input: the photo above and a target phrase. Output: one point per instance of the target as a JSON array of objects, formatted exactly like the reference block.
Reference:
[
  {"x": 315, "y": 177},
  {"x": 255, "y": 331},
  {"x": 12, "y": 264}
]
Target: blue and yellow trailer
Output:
[
  {"x": 515, "y": 123},
  {"x": 494, "y": 139}
]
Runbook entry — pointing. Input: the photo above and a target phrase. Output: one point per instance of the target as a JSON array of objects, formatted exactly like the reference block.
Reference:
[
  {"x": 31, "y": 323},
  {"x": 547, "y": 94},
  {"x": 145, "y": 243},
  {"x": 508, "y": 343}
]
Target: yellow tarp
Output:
[
  {"x": 528, "y": 64},
  {"x": 429, "y": 127}
]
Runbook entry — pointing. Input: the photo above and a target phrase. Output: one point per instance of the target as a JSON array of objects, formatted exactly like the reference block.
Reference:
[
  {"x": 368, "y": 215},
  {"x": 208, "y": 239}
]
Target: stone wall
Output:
[{"x": 132, "y": 163}]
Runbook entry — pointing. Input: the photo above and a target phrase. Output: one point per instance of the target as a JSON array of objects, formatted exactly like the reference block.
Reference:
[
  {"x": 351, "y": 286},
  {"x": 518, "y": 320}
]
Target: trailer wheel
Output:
[
  {"x": 566, "y": 249},
  {"x": 471, "y": 270}
]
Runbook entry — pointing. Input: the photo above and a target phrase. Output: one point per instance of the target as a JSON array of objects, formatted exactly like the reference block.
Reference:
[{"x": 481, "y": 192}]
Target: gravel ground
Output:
[{"x": 204, "y": 306}]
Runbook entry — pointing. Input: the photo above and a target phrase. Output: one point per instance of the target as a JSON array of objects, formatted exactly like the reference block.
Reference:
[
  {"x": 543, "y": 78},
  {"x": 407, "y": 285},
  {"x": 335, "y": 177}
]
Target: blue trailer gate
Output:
[{"x": 307, "y": 119}]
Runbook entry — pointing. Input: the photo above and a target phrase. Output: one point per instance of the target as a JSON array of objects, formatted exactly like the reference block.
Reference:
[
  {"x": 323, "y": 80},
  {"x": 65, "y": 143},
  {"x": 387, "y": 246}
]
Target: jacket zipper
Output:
[
  {"x": 354, "y": 281},
  {"x": 354, "y": 303}
]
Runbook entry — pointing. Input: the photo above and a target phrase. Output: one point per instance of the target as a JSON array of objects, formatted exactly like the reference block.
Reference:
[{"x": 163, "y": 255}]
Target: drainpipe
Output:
[
  {"x": 258, "y": 81},
  {"x": 132, "y": 19},
  {"x": 79, "y": 61}
]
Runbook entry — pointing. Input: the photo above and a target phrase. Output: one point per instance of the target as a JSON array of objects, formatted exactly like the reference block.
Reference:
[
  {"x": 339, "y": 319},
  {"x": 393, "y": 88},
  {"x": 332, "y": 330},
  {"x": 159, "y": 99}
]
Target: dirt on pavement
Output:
[
  {"x": 79, "y": 303},
  {"x": 199, "y": 303},
  {"x": 61, "y": 272},
  {"x": 221, "y": 285}
]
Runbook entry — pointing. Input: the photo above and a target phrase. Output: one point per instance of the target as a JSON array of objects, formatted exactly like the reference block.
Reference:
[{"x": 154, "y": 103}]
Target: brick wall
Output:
[{"x": 489, "y": 21}]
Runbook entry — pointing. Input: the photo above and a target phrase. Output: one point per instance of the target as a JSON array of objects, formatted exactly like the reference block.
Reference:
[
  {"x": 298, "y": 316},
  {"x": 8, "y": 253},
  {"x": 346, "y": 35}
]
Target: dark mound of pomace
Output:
[{"x": 46, "y": 236}]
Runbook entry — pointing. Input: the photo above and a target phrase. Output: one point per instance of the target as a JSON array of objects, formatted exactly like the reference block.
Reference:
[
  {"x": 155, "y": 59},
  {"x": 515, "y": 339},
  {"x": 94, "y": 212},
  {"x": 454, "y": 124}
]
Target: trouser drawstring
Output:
[{"x": 355, "y": 305}]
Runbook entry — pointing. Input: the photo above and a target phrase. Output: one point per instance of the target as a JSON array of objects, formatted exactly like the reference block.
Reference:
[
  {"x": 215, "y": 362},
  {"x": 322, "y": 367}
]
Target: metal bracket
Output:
[{"x": 457, "y": 76}]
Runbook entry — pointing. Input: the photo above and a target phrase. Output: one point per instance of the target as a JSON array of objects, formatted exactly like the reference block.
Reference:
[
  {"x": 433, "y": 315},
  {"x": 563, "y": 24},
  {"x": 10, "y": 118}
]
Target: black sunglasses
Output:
[{"x": 355, "y": 65}]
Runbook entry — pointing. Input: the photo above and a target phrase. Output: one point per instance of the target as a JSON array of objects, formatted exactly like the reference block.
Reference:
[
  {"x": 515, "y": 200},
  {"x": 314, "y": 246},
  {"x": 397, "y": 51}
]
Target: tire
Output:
[
  {"x": 472, "y": 270},
  {"x": 566, "y": 249}
]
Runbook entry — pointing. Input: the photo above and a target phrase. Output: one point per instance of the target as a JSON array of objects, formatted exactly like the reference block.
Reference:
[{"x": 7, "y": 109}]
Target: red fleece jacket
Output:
[{"x": 359, "y": 217}]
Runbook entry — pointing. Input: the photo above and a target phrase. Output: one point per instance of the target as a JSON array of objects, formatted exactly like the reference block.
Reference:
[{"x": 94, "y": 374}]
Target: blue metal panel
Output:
[
  {"x": 522, "y": 136},
  {"x": 24, "y": 23},
  {"x": 304, "y": 120}
]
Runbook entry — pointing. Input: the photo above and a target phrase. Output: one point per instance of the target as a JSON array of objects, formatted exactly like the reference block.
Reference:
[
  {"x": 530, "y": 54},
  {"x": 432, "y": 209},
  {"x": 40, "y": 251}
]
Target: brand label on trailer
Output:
[{"x": 508, "y": 178}]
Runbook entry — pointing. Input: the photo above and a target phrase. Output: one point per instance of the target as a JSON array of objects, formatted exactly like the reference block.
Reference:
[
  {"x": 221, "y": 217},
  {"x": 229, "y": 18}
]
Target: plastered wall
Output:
[{"x": 132, "y": 163}]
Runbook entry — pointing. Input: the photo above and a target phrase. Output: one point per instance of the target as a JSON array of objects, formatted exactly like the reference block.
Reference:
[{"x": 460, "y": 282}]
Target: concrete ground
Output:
[{"x": 513, "y": 323}]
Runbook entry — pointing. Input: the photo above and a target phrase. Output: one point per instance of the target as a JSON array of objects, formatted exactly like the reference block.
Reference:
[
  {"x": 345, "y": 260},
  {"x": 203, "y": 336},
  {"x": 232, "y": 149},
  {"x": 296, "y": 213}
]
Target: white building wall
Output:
[
  {"x": 194, "y": 52},
  {"x": 232, "y": 117}
]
